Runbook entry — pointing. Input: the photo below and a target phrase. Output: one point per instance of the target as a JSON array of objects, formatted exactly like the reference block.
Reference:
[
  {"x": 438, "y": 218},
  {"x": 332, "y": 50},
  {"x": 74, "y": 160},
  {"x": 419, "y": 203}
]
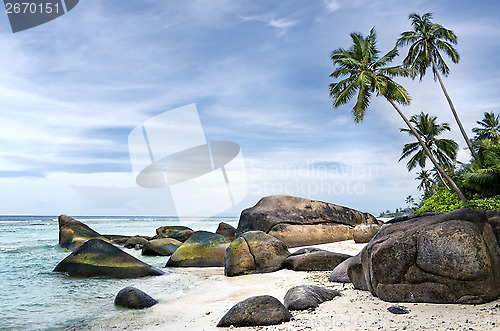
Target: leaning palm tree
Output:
[
  {"x": 426, "y": 40},
  {"x": 490, "y": 128},
  {"x": 444, "y": 150},
  {"x": 366, "y": 74}
]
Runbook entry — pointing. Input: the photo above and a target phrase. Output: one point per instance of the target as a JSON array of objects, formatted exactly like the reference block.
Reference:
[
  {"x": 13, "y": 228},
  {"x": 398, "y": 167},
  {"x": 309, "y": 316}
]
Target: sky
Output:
[{"x": 73, "y": 89}]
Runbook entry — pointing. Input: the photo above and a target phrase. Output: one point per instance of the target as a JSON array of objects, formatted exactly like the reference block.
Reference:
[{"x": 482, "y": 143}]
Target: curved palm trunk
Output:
[
  {"x": 442, "y": 179},
  {"x": 436, "y": 70},
  {"x": 431, "y": 157}
]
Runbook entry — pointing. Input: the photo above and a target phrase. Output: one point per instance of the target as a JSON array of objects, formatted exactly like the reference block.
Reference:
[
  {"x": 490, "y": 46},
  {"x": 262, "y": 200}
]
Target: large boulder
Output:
[
  {"x": 314, "y": 259},
  {"x": 202, "y": 249},
  {"x": 363, "y": 233},
  {"x": 442, "y": 258},
  {"x": 302, "y": 222},
  {"x": 254, "y": 252},
  {"x": 135, "y": 242},
  {"x": 179, "y": 232},
  {"x": 161, "y": 247},
  {"x": 73, "y": 233},
  {"x": 133, "y": 298},
  {"x": 226, "y": 230},
  {"x": 308, "y": 297},
  {"x": 256, "y": 311},
  {"x": 99, "y": 258}
]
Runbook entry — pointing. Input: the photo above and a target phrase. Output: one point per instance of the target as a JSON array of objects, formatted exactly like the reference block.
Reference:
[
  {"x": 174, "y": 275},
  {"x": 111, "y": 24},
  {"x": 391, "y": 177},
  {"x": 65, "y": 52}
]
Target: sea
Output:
[{"x": 33, "y": 297}]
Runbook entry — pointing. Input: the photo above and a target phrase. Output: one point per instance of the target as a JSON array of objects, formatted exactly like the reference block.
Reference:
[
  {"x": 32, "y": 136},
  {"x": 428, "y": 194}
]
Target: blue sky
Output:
[{"x": 71, "y": 91}]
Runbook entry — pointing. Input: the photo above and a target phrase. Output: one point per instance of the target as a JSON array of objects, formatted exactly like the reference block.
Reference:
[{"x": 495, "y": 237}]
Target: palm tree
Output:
[
  {"x": 426, "y": 182},
  {"x": 367, "y": 74},
  {"x": 490, "y": 128},
  {"x": 444, "y": 150},
  {"x": 426, "y": 40}
]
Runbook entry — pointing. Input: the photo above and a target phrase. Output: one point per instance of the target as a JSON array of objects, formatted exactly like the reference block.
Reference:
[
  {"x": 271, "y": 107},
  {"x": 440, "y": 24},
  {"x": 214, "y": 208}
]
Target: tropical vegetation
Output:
[{"x": 362, "y": 72}]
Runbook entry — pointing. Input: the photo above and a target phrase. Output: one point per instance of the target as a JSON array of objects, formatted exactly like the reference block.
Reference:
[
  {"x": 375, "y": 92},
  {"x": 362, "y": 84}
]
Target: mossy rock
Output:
[
  {"x": 202, "y": 249},
  {"x": 99, "y": 258},
  {"x": 73, "y": 233},
  {"x": 161, "y": 247}
]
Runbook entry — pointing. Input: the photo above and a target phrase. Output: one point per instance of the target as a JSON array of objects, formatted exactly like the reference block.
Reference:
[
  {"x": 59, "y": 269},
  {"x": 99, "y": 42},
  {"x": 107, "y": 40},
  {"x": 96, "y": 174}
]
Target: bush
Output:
[
  {"x": 492, "y": 203},
  {"x": 441, "y": 201}
]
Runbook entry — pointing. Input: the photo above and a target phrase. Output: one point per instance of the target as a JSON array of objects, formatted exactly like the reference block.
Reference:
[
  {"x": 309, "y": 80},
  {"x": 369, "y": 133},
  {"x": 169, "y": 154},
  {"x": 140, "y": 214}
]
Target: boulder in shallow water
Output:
[
  {"x": 202, "y": 249},
  {"x": 314, "y": 259},
  {"x": 442, "y": 258},
  {"x": 161, "y": 247},
  {"x": 100, "y": 258},
  {"x": 256, "y": 311},
  {"x": 254, "y": 252},
  {"x": 302, "y": 222},
  {"x": 308, "y": 296},
  {"x": 73, "y": 233},
  {"x": 133, "y": 298},
  {"x": 363, "y": 233},
  {"x": 226, "y": 230},
  {"x": 136, "y": 242},
  {"x": 179, "y": 232}
]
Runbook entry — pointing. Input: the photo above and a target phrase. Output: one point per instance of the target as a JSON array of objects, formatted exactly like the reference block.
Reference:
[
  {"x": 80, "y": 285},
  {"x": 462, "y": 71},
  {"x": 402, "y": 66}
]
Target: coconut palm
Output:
[
  {"x": 444, "y": 150},
  {"x": 426, "y": 41},
  {"x": 366, "y": 74},
  {"x": 490, "y": 128},
  {"x": 426, "y": 182}
]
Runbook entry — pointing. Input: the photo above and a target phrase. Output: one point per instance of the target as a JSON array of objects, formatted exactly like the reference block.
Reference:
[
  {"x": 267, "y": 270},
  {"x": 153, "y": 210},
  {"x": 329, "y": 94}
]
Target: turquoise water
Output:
[{"x": 35, "y": 298}]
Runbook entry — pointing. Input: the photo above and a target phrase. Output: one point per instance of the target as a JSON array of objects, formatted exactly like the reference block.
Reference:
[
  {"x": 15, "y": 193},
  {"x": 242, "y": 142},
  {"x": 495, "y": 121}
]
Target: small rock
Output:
[
  {"x": 398, "y": 310},
  {"x": 256, "y": 311},
  {"x": 131, "y": 297}
]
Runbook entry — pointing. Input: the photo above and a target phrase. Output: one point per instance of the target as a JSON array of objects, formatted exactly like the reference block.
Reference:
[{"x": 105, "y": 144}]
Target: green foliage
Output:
[
  {"x": 492, "y": 203},
  {"x": 441, "y": 201},
  {"x": 482, "y": 175}
]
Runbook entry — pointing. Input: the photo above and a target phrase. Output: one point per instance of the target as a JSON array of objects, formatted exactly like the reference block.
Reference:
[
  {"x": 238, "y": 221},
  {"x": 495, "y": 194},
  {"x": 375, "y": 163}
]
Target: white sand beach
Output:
[{"x": 354, "y": 310}]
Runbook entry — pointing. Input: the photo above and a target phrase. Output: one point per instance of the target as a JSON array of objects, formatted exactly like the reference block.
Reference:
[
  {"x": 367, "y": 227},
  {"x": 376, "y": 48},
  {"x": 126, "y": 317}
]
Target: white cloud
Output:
[{"x": 282, "y": 25}]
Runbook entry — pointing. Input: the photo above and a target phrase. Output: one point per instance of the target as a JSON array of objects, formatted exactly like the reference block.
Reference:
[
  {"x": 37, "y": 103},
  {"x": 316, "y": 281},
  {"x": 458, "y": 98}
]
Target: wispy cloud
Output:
[{"x": 282, "y": 25}]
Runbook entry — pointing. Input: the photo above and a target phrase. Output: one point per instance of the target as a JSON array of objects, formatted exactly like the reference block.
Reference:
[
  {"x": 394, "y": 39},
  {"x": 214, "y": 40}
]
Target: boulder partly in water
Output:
[
  {"x": 73, "y": 233},
  {"x": 133, "y": 298},
  {"x": 99, "y": 258}
]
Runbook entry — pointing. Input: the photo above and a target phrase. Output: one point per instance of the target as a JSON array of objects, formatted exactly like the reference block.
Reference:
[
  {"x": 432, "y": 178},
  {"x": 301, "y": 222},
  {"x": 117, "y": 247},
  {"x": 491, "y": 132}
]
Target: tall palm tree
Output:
[
  {"x": 426, "y": 41},
  {"x": 490, "y": 128},
  {"x": 444, "y": 150},
  {"x": 366, "y": 74}
]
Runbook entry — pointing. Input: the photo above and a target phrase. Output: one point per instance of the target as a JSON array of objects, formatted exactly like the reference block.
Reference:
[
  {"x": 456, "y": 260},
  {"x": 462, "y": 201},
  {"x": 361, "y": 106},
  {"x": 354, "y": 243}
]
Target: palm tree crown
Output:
[
  {"x": 444, "y": 150},
  {"x": 426, "y": 40},
  {"x": 366, "y": 74},
  {"x": 490, "y": 128}
]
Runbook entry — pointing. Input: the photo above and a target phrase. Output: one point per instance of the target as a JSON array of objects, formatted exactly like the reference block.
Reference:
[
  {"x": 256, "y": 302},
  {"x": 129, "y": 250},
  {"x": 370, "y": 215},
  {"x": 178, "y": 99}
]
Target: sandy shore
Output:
[{"x": 354, "y": 310}]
